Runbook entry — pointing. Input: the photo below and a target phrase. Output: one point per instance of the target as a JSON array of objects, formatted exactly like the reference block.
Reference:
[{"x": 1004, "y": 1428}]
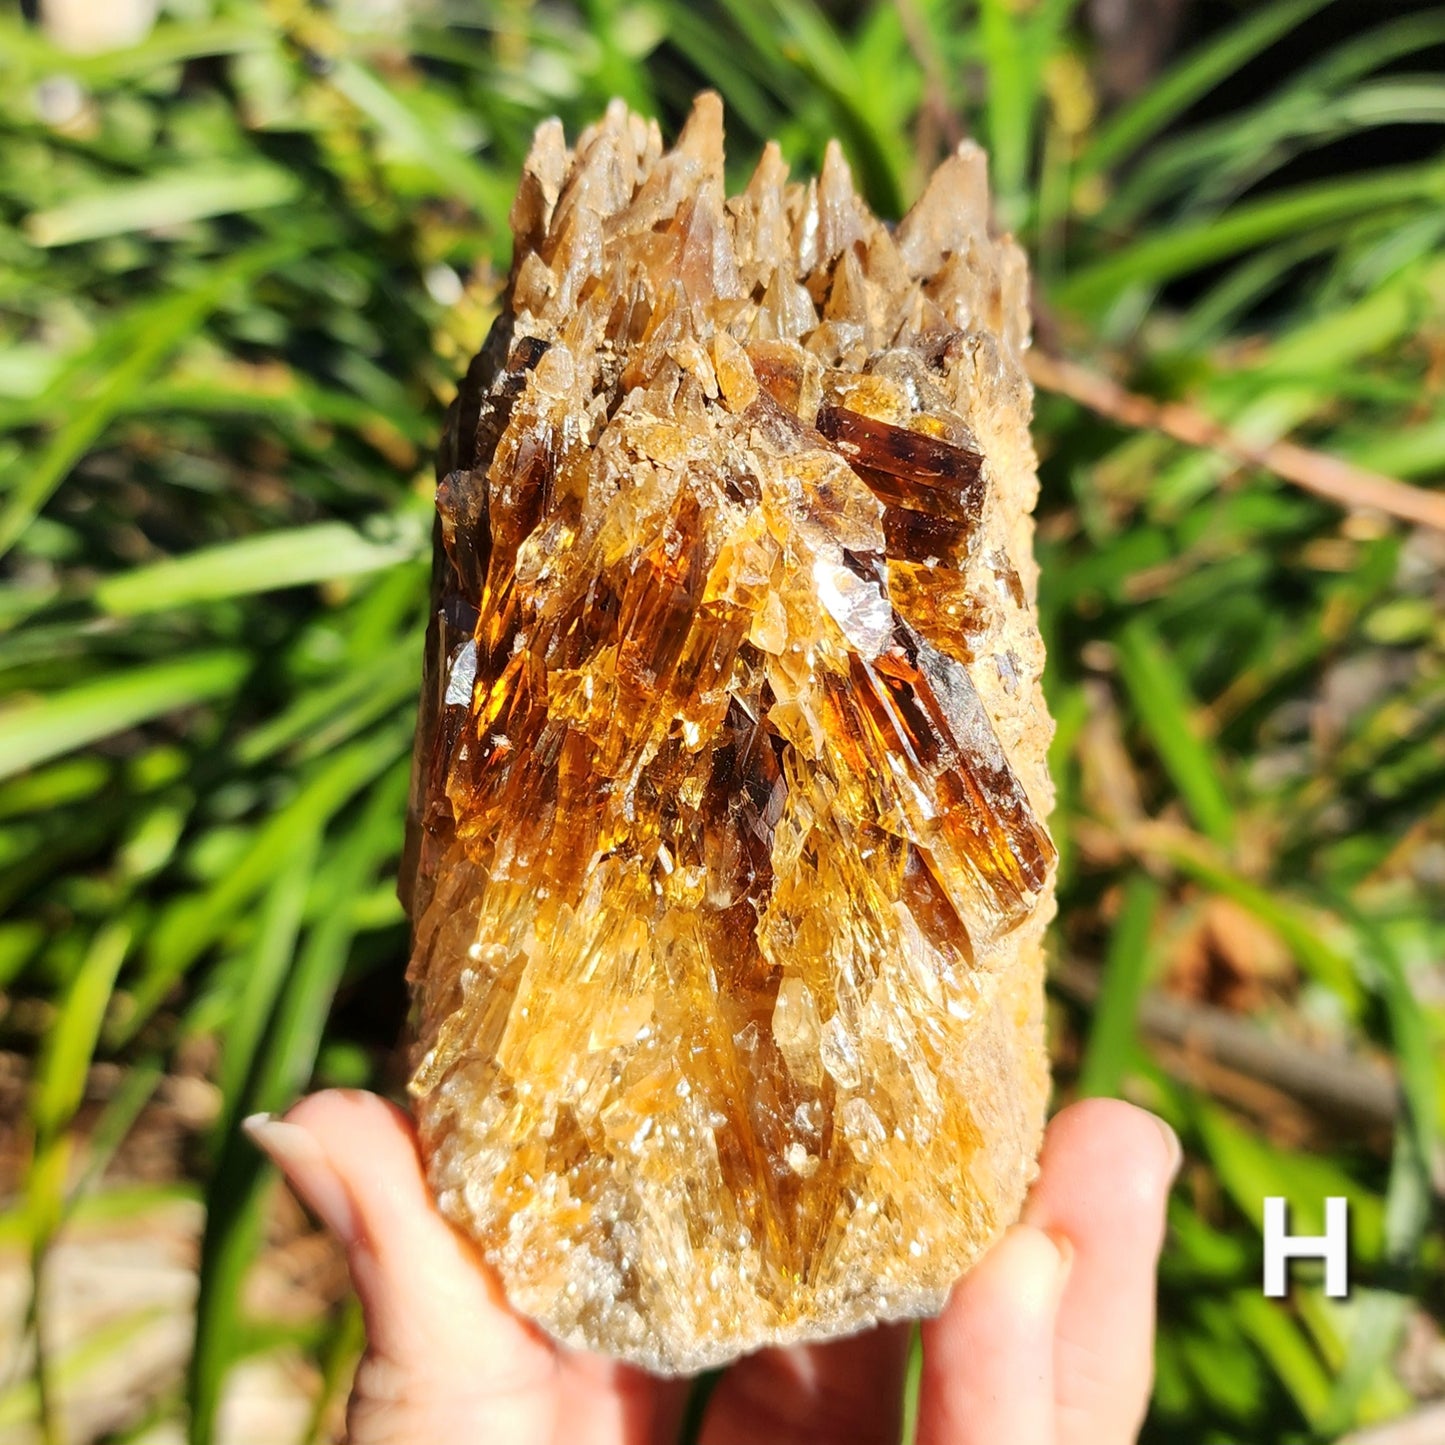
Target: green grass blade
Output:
[
  {"x": 163, "y": 201},
  {"x": 1011, "y": 105},
  {"x": 172, "y": 320},
  {"x": 56, "y": 1094},
  {"x": 1289, "y": 1353},
  {"x": 290, "y": 399},
  {"x": 344, "y": 1348},
  {"x": 232, "y": 1239},
  {"x": 863, "y": 114},
  {"x": 1208, "y": 167},
  {"x": 1196, "y": 75},
  {"x": 1113, "y": 1035},
  {"x": 1410, "y": 1192},
  {"x": 1251, "y": 1169},
  {"x": 302, "y": 1009},
  {"x": 458, "y": 173},
  {"x": 725, "y": 69},
  {"x": 26, "y": 52},
  {"x": 121, "y": 1111},
  {"x": 1168, "y": 713},
  {"x": 1336, "y": 339},
  {"x": 278, "y": 928},
  {"x": 70, "y": 781},
  {"x": 295, "y": 557},
  {"x": 234, "y": 1218},
  {"x": 620, "y": 71},
  {"x": 1174, "y": 251},
  {"x": 96, "y": 1356},
  {"x": 1380, "y": 1314},
  {"x": 389, "y": 678},
  {"x": 71, "y": 1041},
  {"x": 192, "y": 926},
  {"x": 19, "y": 944},
  {"x": 33, "y": 731},
  {"x": 1071, "y": 714}
]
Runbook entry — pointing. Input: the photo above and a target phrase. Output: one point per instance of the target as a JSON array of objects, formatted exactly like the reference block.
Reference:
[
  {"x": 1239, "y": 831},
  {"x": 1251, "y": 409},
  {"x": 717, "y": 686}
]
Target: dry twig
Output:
[
  {"x": 1326, "y": 476},
  {"x": 1343, "y": 1087},
  {"x": 938, "y": 124}
]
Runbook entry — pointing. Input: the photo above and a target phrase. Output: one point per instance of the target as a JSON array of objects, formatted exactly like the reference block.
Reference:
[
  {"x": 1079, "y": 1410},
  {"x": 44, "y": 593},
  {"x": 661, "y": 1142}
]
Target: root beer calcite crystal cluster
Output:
[{"x": 727, "y": 867}]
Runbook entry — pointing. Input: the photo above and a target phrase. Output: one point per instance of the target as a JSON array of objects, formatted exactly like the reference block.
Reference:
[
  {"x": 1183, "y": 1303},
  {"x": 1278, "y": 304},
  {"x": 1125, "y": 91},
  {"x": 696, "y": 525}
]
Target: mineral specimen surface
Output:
[{"x": 727, "y": 867}]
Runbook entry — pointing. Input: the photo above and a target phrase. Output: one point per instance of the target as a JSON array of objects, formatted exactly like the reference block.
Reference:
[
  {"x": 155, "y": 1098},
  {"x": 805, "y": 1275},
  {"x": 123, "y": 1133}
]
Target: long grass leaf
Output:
[
  {"x": 1172, "y": 252},
  {"x": 97, "y": 1355},
  {"x": 25, "y": 51},
  {"x": 271, "y": 955},
  {"x": 1281, "y": 1341},
  {"x": 60, "y": 1077},
  {"x": 233, "y": 1218},
  {"x": 294, "y": 557},
  {"x": 1421, "y": 1069},
  {"x": 1380, "y": 1315},
  {"x": 1169, "y": 716},
  {"x": 34, "y": 730},
  {"x": 58, "y": 1090},
  {"x": 1196, "y": 75},
  {"x": 163, "y": 201},
  {"x": 185, "y": 933},
  {"x": 116, "y": 1120},
  {"x": 1011, "y": 103},
  {"x": 1113, "y": 1034},
  {"x": 389, "y": 678},
  {"x": 412, "y": 134},
  {"x": 1251, "y": 1169},
  {"x": 1208, "y": 168},
  {"x": 171, "y": 321}
]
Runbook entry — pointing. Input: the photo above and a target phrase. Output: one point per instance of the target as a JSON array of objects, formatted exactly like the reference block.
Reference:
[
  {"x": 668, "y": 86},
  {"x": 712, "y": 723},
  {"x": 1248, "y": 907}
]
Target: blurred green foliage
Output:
[{"x": 240, "y": 265}]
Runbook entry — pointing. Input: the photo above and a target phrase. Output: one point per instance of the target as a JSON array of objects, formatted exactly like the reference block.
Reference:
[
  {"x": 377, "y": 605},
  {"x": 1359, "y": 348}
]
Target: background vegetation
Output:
[{"x": 241, "y": 262}]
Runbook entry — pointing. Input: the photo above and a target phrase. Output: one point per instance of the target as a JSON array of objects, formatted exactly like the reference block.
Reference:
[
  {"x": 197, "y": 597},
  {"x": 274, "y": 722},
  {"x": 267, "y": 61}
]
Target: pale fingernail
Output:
[
  {"x": 1041, "y": 1273},
  {"x": 1065, "y": 1266},
  {"x": 308, "y": 1171},
  {"x": 1176, "y": 1149}
]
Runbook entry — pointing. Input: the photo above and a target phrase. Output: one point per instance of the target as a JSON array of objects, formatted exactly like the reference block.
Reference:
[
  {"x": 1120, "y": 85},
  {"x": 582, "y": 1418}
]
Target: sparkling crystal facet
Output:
[{"x": 727, "y": 869}]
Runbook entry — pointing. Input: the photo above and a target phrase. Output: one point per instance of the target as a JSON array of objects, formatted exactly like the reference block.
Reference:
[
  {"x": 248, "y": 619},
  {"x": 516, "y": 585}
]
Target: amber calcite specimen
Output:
[{"x": 727, "y": 865}]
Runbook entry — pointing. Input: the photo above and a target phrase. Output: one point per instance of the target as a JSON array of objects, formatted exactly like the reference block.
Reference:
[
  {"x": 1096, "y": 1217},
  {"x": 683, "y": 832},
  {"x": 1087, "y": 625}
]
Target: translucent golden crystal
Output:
[{"x": 726, "y": 868}]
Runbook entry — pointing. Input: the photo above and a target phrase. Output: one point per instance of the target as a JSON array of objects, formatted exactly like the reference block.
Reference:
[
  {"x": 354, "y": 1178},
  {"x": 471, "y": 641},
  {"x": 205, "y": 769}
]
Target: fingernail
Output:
[
  {"x": 1065, "y": 1266},
  {"x": 1176, "y": 1149},
  {"x": 308, "y": 1171},
  {"x": 1042, "y": 1273}
]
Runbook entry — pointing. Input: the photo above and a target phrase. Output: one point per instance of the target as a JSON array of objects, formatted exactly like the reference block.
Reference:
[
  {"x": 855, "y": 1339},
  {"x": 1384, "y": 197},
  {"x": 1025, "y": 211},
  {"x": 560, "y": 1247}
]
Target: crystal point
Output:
[{"x": 727, "y": 866}]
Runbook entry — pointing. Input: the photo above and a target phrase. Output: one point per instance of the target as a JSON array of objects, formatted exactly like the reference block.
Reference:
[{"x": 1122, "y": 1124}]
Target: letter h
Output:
[{"x": 1333, "y": 1246}]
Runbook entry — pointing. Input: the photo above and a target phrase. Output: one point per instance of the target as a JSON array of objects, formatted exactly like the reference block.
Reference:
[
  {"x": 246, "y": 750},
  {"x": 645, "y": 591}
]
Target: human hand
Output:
[{"x": 1047, "y": 1341}]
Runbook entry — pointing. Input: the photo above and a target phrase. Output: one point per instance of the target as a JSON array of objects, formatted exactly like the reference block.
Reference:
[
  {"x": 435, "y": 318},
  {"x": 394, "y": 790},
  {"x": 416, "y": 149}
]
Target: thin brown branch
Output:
[
  {"x": 1340, "y": 1086},
  {"x": 938, "y": 123},
  {"x": 1326, "y": 476}
]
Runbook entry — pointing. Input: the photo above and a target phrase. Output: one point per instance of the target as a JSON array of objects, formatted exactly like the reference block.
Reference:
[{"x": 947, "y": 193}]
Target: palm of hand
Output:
[{"x": 1048, "y": 1341}]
